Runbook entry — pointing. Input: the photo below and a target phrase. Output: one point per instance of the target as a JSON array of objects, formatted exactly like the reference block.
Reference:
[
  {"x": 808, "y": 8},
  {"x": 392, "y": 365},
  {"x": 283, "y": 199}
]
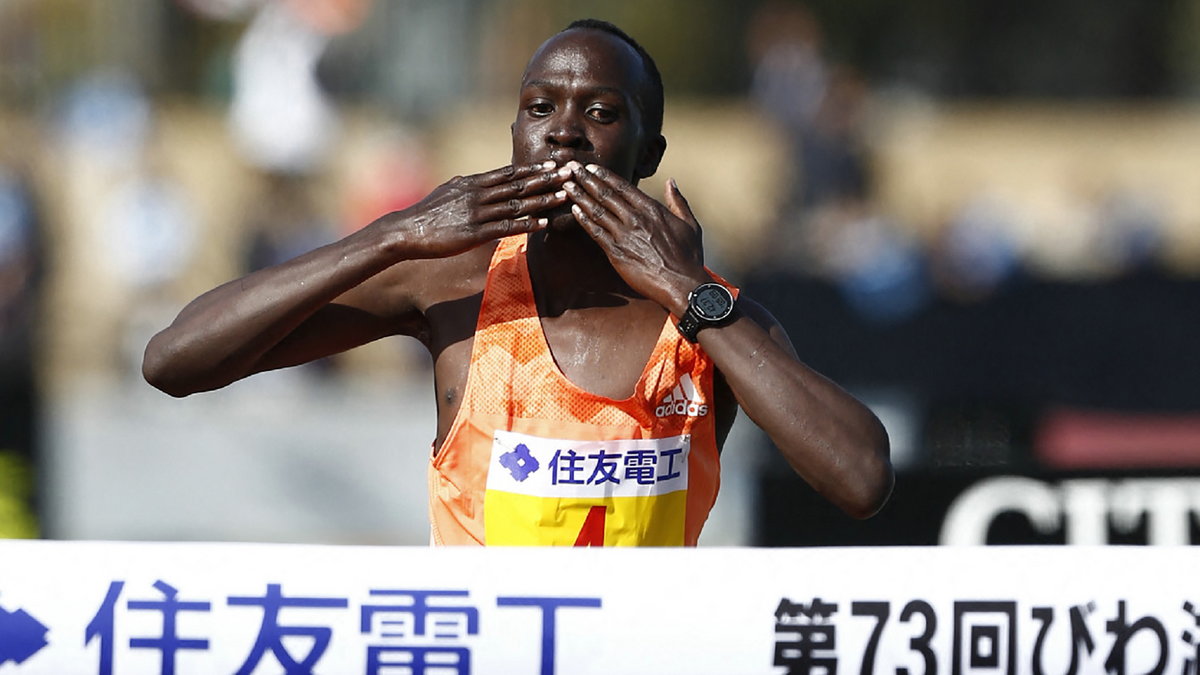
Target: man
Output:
[{"x": 587, "y": 366}]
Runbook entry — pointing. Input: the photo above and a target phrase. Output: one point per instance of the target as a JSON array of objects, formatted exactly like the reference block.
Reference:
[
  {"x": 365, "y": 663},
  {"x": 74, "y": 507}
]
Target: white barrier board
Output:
[{"x": 122, "y": 608}]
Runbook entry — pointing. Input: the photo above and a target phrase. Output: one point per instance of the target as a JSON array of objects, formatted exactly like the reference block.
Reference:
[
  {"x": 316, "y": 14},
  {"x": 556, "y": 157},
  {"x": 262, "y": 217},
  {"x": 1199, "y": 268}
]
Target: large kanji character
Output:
[
  {"x": 606, "y": 468},
  {"x": 103, "y": 625},
  {"x": 671, "y": 472},
  {"x": 417, "y": 614},
  {"x": 271, "y": 634},
  {"x": 549, "y": 607},
  {"x": 564, "y": 466},
  {"x": 806, "y": 639},
  {"x": 410, "y": 616},
  {"x": 639, "y": 466}
]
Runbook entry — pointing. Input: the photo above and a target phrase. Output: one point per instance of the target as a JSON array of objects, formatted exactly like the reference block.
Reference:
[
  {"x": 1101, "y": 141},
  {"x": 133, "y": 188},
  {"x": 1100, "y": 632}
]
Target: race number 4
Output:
[{"x": 592, "y": 532}]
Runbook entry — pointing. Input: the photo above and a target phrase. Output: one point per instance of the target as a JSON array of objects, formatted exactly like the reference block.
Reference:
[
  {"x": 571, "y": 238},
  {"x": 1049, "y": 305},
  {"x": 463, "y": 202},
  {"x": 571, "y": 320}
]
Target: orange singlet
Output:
[{"x": 532, "y": 459}]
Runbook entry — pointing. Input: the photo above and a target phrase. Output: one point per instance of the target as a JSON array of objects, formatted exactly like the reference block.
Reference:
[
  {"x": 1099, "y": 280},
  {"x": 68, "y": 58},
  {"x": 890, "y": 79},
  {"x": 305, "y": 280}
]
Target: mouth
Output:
[
  {"x": 561, "y": 158},
  {"x": 561, "y": 219},
  {"x": 557, "y": 213}
]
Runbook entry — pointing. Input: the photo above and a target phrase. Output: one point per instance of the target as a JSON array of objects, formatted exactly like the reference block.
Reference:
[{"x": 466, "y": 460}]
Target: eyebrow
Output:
[{"x": 599, "y": 89}]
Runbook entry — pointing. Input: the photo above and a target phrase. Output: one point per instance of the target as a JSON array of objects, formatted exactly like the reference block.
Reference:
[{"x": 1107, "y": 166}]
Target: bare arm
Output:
[
  {"x": 829, "y": 438},
  {"x": 335, "y": 297}
]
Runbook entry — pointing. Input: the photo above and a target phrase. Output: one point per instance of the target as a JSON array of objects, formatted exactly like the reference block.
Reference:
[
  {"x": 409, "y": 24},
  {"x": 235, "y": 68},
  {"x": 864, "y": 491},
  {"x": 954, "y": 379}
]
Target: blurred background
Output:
[{"x": 981, "y": 218}]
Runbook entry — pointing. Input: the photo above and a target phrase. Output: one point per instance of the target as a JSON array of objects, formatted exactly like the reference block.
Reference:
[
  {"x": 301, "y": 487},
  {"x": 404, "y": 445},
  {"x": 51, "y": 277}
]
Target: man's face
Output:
[{"x": 579, "y": 101}]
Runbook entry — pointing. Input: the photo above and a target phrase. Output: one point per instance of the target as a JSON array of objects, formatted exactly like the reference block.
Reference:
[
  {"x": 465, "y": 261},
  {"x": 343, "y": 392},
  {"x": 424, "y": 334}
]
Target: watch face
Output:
[{"x": 712, "y": 302}]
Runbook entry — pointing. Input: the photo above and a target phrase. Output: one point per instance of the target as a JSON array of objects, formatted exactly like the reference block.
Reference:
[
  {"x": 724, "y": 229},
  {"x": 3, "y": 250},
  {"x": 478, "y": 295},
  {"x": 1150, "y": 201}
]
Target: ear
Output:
[{"x": 652, "y": 154}]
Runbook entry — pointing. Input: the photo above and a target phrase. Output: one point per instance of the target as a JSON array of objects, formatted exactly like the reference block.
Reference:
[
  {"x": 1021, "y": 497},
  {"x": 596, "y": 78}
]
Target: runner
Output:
[{"x": 587, "y": 366}]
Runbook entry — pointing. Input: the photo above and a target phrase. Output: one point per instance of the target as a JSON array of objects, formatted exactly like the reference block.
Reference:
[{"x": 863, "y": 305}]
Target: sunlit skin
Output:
[{"x": 608, "y": 264}]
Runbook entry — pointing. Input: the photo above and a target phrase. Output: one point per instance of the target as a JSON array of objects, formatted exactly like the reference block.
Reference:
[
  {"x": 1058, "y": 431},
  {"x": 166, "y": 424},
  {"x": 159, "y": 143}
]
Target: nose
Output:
[{"x": 566, "y": 132}]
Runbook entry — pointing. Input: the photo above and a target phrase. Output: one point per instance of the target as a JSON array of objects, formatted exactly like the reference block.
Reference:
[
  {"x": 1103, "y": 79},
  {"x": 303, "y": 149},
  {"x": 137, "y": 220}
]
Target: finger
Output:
[
  {"x": 517, "y": 207},
  {"x": 612, "y": 190},
  {"x": 591, "y": 207},
  {"x": 628, "y": 192},
  {"x": 506, "y": 227},
  {"x": 677, "y": 204},
  {"x": 595, "y": 230},
  {"x": 523, "y": 186},
  {"x": 508, "y": 173}
]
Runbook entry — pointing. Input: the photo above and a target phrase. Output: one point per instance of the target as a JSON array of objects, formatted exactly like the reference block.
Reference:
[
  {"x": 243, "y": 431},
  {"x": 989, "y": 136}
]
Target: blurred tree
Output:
[
  {"x": 468, "y": 48},
  {"x": 1011, "y": 48},
  {"x": 697, "y": 44},
  {"x": 1183, "y": 47}
]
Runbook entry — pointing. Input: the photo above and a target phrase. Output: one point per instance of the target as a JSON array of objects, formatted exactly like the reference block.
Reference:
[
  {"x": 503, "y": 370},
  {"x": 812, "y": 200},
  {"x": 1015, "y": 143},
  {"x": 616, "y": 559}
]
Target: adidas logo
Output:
[{"x": 682, "y": 401}]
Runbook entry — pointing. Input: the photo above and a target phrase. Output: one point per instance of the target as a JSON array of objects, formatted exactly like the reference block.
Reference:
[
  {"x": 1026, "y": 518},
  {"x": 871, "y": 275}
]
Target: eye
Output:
[
  {"x": 539, "y": 108},
  {"x": 602, "y": 114}
]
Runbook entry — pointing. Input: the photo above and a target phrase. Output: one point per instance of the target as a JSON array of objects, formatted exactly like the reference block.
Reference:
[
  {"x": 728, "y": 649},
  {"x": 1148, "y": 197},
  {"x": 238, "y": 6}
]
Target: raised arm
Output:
[
  {"x": 829, "y": 438},
  {"x": 339, "y": 296}
]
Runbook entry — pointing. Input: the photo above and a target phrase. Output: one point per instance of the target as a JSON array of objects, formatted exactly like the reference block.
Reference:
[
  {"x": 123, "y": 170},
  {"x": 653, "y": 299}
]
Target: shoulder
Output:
[
  {"x": 397, "y": 300},
  {"x": 426, "y": 282}
]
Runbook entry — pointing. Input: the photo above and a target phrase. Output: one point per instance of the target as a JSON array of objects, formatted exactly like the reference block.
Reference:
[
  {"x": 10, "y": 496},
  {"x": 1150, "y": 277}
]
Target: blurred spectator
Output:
[
  {"x": 284, "y": 223},
  {"x": 105, "y": 119},
  {"x": 881, "y": 273},
  {"x": 790, "y": 73},
  {"x": 819, "y": 109},
  {"x": 1109, "y": 231},
  {"x": 1131, "y": 228},
  {"x": 281, "y": 118},
  {"x": 975, "y": 254},
  {"x": 150, "y": 228},
  {"x": 395, "y": 173},
  {"x": 20, "y": 285},
  {"x": 817, "y": 105}
]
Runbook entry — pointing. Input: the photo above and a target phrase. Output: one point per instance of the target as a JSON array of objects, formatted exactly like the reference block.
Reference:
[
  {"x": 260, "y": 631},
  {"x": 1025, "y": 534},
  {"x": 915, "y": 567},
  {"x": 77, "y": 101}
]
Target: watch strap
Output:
[
  {"x": 691, "y": 322},
  {"x": 689, "y": 325}
]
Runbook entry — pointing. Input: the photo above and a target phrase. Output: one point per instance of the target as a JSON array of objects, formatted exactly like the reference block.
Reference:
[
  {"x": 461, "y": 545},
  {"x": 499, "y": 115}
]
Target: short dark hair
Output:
[{"x": 651, "y": 101}]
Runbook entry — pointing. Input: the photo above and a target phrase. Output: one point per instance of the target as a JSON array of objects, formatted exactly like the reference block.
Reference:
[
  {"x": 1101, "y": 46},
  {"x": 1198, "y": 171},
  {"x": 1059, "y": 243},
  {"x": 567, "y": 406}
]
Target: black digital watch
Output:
[{"x": 709, "y": 304}]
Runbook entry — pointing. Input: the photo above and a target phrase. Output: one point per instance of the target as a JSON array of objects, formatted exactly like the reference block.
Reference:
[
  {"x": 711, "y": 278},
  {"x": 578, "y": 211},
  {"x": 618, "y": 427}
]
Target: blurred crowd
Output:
[
  {"x": 141, "y": 216},
  {"x": 121, "y": 198},
  {"x": 832, "y": 221}
]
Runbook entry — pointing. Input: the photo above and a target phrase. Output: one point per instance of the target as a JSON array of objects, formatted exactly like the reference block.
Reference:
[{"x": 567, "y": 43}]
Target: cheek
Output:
[
  {"x": 523, "y": 142},
  {"x": 620, "y": 150}
]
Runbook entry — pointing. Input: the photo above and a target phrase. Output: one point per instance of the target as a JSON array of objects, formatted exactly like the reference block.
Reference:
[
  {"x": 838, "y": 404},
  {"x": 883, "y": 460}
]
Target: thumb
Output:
[{"x": 678, "y": 204}]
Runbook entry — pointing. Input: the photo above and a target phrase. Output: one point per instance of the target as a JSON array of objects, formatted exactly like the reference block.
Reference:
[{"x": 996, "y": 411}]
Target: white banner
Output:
[{"x": 123, "y": 608}]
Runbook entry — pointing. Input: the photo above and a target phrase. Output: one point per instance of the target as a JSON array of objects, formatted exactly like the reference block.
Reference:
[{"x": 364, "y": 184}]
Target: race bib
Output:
[{"x": 558, "y": 492}]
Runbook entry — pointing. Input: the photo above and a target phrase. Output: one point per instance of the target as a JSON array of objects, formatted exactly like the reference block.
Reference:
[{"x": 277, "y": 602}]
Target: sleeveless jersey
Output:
[{"x": 533, "y": 459}]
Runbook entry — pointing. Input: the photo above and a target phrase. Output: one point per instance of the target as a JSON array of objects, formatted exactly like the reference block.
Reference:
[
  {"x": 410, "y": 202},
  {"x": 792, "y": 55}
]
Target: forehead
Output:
[{"x": 587, "y": 55}]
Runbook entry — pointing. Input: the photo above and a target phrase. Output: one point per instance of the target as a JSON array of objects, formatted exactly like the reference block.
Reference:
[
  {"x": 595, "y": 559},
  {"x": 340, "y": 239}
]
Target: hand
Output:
[
  {"x": 467, "y": 211},
  {"x": 656, "y": 249}
]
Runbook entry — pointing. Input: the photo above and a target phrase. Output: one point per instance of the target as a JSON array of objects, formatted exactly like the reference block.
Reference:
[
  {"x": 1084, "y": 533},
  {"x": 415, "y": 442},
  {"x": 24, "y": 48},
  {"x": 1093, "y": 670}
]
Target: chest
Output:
[
  {"x": 604, "y": 350},
  {"x": 601, "y": 344},
  {"x": 601, "y": 350}
]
